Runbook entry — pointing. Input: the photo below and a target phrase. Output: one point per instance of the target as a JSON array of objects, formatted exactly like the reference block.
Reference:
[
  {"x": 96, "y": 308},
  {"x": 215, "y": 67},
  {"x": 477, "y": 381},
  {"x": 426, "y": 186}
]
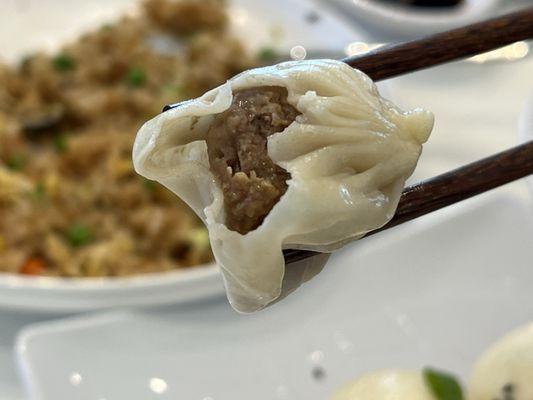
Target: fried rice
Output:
[{"x": 70, "y": 202}]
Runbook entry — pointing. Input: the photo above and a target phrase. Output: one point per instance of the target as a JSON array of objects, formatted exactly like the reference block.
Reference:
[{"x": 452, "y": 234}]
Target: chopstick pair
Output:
[{"x": 472, "y": 179}]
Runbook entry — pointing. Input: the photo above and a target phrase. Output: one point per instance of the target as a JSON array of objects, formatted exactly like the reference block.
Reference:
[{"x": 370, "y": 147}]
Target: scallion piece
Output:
[
  {"x": 63, "y": 62},
  {"x": 443, "y": 385},
  {"x": 135, "y": 77},
  {"x": 267, "y": 54},
  {"x": 16, "y": 162},
  {"x": 60, "y": 143},
  {"x": 79, "y": 235}
]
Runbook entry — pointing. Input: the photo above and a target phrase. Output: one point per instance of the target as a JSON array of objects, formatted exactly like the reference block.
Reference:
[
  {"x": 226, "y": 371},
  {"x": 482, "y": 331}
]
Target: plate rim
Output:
[
  {"x": 394, "y": 18},
  {"x": 15, "y": 281},
  {"x": 67, "y": 295}
]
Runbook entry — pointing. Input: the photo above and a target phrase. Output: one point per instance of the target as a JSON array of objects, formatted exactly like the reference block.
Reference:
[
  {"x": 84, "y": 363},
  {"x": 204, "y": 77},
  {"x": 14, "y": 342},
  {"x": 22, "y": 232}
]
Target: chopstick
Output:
[
  {"x": 452, "y": 187},
  {"x": 472, "y": 179},
  {"x": 394, "y": 60},
  {"x": 390, "y": 61}
]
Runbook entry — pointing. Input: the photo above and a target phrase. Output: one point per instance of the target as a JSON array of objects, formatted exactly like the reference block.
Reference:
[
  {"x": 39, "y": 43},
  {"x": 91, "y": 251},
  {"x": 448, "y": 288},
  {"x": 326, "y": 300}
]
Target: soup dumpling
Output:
[
  {"x": 386, "y": 385},
  {"x": 302, "y": 155},
  {"x": 505, "y": 370}
]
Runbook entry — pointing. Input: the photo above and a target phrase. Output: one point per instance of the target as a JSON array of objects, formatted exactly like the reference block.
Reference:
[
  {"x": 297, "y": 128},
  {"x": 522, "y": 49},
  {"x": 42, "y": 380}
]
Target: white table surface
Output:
[{"x": 476, "y": 107}]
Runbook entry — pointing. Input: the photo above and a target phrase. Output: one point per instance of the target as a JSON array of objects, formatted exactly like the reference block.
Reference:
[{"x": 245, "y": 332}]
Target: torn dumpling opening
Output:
[
  {"x": 303, "y": 154},
  {"x": 250, "y": 181}
]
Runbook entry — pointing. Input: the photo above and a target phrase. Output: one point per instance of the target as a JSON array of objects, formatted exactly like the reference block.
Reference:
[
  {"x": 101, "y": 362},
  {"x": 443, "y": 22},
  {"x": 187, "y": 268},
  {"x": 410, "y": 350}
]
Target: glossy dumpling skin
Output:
[
  {"x": 505, "y": 370},
  {"x": 386, "y": 385},
  {"x": 349, "y": 153}
]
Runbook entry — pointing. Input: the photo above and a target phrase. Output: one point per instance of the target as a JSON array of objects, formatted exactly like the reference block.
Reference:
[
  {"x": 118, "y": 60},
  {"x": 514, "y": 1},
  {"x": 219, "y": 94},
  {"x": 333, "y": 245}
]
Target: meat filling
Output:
[{"x": 237, "y": 147}]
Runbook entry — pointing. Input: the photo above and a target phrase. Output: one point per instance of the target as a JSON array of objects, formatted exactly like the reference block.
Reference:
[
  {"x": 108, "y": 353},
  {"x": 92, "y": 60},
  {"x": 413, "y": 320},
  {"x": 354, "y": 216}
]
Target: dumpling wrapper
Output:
[
  {"x": 506, "y": 366},
  {"x": 348, "y": 153},
  {"x": 386, "y": 385}
]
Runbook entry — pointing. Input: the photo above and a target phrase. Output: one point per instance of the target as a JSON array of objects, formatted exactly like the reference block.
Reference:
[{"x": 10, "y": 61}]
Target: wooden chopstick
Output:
[
  {"x": 390, "y": 61},
  {"x": 394, "y": 60},
  {"x": 472, "y": 179},
  {"x": 452, "y": 187}
]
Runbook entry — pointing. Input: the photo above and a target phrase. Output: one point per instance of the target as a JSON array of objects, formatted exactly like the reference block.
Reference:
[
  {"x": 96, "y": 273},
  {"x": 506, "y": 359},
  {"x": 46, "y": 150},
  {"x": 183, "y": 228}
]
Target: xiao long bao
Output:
[{"x": 301, "y": 155}]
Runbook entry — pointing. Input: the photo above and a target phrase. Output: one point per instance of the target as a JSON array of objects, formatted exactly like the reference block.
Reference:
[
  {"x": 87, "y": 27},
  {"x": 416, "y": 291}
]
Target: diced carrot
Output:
[{"x": 33, "y": 266}]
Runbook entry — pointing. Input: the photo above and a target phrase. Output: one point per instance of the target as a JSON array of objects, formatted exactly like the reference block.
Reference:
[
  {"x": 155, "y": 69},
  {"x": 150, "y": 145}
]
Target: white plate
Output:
[
  {"x": 414, "y": 21},
  {"x": 55, "y": 295},
  {"x": 435, "y": 292},
  {"x": 282, "y": 25},
  {"x": 477, "y": 108}
]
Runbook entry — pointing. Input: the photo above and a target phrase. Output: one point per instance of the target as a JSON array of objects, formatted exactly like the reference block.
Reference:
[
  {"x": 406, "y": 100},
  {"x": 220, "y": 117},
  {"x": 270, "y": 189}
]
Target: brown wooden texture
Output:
[
  {"x": 393, "y": 60},
  {"x": 452, "y": 187},
  {"x": 390, "y": 61},
  {"x": 472, "y": 179}
]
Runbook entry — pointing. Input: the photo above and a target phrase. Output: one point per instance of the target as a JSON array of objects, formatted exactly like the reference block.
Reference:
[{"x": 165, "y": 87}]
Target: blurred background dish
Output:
[
  {"x": 81, "y": 221},
  {"x": 32, "y": 25},
  {"x": 400, "y": 18}
]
